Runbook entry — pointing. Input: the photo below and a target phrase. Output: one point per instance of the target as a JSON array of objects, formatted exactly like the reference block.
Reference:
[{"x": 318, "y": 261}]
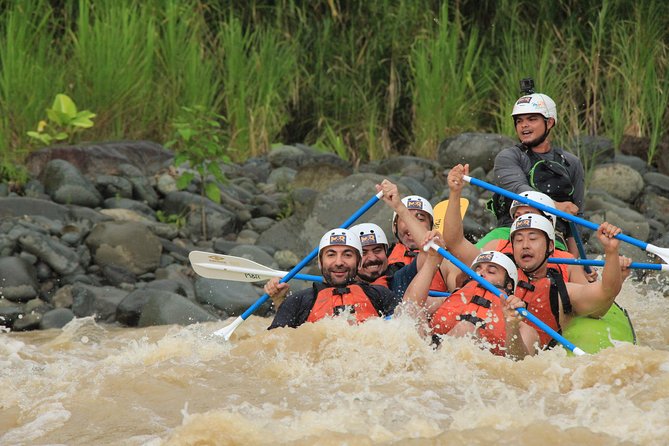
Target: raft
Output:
[
  {"x": 595, "y": 334},
  {"x": 503, "y": 233}
]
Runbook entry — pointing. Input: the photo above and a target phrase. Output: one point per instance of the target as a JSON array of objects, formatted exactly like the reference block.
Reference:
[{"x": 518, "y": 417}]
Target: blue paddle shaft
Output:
[
  {"x": 589, "y": 262},
  {"x": 493, "y": 289},
  {"x": 588, "y": 224},
  {"x": 312, "y": 255},
  {"x": 579, "y": 245}
]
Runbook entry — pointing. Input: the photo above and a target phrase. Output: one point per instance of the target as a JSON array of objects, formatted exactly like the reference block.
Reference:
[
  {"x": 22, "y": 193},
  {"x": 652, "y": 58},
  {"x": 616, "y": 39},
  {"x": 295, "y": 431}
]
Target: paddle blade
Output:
[
  {"x": 440, "y": 212},
  {"x": 226, "y": 331},
  {"x": 222, "y": 267},
  {"x": 662, "y": 253}
]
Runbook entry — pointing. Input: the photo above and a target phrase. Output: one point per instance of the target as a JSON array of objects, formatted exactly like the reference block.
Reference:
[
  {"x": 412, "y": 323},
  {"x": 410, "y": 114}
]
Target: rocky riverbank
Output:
[{"x": 101, "y": 230}]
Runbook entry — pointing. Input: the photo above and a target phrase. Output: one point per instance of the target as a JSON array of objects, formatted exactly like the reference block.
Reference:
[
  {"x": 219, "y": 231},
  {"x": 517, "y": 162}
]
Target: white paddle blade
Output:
[
  {"x": 226, "y": 331},
  {"x": 662, "y": 253},
  {"x": 222, "y": 267}
]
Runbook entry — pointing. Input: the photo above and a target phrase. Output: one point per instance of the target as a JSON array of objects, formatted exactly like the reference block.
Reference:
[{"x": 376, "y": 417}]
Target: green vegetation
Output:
[
  {"x": 63, "y": 122},
  {"x": 200, "y": 145},
  {"x": 363, "y": 79}
]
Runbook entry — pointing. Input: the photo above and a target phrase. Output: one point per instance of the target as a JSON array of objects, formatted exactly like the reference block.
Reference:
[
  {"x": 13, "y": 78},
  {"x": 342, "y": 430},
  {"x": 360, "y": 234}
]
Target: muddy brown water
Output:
[{"x": 329, "y": 384}]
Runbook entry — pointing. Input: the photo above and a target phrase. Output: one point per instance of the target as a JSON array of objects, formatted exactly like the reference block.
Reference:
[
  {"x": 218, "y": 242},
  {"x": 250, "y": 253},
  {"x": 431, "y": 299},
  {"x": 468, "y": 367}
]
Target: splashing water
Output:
[{"x": 327, "y": 383}]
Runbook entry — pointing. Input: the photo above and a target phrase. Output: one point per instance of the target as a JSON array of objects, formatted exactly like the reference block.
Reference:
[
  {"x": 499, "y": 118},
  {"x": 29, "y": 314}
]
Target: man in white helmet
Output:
[
  {"x": 413, "y": 217},
  {"x": 535, "y": 164},
  {"x": 341, "y": 294},
  {"x": 471, "y": 309},
  {"x": 374, "y": 267},
  {"x": 498, "y": 239}
]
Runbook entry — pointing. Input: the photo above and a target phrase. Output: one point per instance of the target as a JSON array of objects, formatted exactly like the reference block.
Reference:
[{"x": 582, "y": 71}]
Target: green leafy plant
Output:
[
  {"x": 201, "y": 142},
  {"x": 64, "y": 121},
  {"x": 14, "y": 174},
  {"x": 178, "y": 220}
]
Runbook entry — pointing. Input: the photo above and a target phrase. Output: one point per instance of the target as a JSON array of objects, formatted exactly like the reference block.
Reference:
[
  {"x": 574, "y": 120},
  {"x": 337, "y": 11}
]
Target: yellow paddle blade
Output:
[{"x": 440, "y": 212}]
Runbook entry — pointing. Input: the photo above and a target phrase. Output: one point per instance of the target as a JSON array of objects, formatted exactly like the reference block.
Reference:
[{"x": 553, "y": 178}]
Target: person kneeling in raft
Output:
[
  {"x": 472, "y": 310},
  {"x": 545, "y": 289},
  {"x": 339, "y": 257}
]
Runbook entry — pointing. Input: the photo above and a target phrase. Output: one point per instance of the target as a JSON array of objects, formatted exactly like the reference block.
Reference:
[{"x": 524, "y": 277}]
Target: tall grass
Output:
[
  {"x": 637, "y": 96},
  {"x": 447, "y": 82},
  {"x": 186, "y": 68},
  {"x": 259, "y": 70},
  {"x": 113, "y": 51},
  {"x": 30, "y": 71},
  {"x": 365, "y": 79}
]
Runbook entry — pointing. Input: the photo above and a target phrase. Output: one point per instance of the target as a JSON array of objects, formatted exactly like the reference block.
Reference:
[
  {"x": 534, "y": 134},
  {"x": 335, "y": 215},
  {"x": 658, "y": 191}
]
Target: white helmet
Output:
[
  {"x": 500, "y": 259},
  {"x": 370, "y": 234},
  {"x": 340, "y": 237},
  {"x": 416, "y": 203},
  {"x": 536, "y": 221},
  {"x": 540, "y": 198},
  {"x": 536, "y": 103}
]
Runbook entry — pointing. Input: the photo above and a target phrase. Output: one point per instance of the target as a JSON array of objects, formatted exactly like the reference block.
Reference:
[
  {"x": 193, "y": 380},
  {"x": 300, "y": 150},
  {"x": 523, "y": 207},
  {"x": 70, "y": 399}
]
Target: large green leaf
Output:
[
  {"x": 213, "y": 192},
  {"x": 65, "y": 105}
]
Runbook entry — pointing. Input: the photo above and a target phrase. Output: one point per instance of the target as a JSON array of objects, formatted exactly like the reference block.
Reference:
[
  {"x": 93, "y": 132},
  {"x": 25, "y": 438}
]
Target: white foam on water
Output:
[{"x": 327, "y": 383}]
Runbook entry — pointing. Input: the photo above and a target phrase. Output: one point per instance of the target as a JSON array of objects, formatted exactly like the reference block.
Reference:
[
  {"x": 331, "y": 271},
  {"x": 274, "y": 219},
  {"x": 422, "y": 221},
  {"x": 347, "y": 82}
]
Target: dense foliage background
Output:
[{"x": 363, "y": 79}]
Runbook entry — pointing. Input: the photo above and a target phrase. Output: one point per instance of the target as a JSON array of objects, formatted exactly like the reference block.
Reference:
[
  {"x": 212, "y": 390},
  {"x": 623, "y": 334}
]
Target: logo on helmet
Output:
[
  {"x": 524, "y": 223},
  {"x": 415, "y": 204},
  {"x": 337, "y": 239},
  {"x": 368, "y": 239},
  {"x": 485, "y": 257},
  {"x": 524, "y": 100}
]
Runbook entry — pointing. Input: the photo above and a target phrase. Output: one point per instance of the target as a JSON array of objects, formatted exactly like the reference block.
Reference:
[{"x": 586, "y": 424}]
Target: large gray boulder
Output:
[
  {"x": 103, "y": 158},
  {"x": 618, "y": 180},
  {"x": 476, "y": 149},
  {"x": 127, "y": 244},
  {"x": 170, "y": 308},
  {"x": 66, "y": 185},
  {"x": 18, "y": 281},
  {"x": 232, "y": 297},
  {"x": 100, "y": 302}
]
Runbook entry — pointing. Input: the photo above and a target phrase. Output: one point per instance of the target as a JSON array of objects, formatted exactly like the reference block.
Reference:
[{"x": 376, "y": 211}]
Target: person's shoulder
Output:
[
  {"x": 569, "y": 156},
  {"x": 509, "y": 152}
]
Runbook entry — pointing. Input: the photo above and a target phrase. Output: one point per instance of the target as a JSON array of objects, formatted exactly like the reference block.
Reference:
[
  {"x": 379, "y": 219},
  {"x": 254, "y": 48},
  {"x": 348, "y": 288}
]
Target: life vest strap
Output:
[
  {"x": 481, "y": 301},
  {"x": 473, "y": 319}
]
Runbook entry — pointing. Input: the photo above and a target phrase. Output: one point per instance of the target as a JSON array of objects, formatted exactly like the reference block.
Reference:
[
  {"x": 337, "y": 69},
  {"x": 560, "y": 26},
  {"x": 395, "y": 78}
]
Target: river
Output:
[{"x": 328, "y": 384}]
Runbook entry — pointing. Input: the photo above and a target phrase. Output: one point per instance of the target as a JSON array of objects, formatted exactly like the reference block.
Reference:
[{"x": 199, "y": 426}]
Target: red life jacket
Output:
[
  {"x": 350, "y": 299},
  {"x": 401, "y": 255},
  {"x": 475, "y": 304},
  {"x": 542, "y": 297}
]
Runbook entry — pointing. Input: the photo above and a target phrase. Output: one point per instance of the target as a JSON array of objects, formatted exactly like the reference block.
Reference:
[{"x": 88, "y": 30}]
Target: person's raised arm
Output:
[
  {"x": 453, "y": 230},
  {"x": 391, "y": 197},
  {"x": 595, "y": 299},
  {"x": 416, "y": 295}
]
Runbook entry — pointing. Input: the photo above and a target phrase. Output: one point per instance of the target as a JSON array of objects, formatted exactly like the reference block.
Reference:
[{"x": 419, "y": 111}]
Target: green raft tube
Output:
[{"x": 594, "y": 334}]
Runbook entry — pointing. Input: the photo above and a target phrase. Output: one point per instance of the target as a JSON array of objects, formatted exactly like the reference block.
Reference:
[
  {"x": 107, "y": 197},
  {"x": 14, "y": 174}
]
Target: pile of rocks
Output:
[{"x": 101, "y": 230}]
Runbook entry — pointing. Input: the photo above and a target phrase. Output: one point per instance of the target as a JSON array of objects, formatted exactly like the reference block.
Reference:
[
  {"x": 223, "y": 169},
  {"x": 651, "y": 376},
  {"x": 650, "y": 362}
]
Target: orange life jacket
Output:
[
  {"x": 381, "y": 281},
  {"x": 542, "y": 298},
  {"x": 350, "y": 299},
  {"x": 401, "y": 255},
  {"x": 475, "y": 304}
]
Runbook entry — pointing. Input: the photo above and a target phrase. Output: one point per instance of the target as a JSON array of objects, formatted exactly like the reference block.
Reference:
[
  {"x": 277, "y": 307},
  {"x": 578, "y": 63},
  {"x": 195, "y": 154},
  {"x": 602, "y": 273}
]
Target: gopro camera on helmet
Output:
[{"x": 527, "y": 85}]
